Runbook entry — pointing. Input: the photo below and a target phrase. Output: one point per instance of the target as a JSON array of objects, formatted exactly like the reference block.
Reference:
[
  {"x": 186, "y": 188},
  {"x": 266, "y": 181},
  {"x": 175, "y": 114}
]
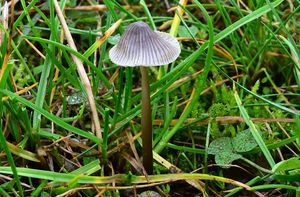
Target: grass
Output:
[{"x": 225, "y": 113}]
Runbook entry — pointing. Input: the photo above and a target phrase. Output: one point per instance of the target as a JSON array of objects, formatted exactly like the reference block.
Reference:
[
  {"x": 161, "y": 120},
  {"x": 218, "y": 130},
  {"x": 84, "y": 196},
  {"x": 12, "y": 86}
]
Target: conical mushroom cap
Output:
[{"x": 140, "y": 46}]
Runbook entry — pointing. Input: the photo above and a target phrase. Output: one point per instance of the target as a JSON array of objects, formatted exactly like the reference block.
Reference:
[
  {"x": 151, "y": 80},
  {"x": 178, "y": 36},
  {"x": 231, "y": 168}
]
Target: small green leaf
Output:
[
  {"x": 226, "y": 158},
  {"x": 219, "y": 145},
  {"x": 290, "y": 164},
  {"x": 113, "y": 40},
  {"x": 22, "y": 153},
  {"x": 183, "y": 32},
  {"x": 244, "y": 141}
]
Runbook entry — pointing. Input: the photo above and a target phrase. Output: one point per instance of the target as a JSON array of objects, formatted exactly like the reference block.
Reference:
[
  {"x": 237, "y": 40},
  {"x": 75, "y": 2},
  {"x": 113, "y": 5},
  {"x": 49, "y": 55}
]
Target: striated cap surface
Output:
[{"x": 140, "y": 46}]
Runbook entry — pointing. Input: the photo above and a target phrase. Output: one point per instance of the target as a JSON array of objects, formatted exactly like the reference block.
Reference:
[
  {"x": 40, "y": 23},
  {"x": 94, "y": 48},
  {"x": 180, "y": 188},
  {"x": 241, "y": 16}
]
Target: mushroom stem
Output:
[{"x": 146, "y": 123}]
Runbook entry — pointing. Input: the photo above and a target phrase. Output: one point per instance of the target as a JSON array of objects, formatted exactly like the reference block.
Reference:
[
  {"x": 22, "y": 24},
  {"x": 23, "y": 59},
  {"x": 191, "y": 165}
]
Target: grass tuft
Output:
[{"x": 225, "y": 113}]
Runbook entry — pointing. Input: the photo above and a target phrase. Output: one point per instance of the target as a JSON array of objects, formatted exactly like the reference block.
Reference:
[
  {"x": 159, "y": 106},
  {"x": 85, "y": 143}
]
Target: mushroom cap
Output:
[{"x": 140, "y": 46}]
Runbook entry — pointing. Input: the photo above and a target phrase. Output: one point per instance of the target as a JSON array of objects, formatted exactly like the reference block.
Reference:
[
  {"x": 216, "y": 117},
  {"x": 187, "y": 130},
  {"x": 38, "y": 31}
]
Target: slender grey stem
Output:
[
  {"x": 257, "y": 166},
  {"x": 146, "y": 123}
]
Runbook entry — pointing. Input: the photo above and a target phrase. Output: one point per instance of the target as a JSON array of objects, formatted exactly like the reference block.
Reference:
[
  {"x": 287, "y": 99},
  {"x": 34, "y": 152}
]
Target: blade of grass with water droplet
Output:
[{"x": 254, "y": 131}]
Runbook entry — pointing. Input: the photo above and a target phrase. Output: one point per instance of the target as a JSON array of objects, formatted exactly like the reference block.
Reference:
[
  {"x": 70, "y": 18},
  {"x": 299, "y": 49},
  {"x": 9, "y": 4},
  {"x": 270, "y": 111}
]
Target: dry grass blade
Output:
[
  {"x": 176, "y": 19},
  {"x": 23, "y": 153},
  {"x": 103, "y": 38},
  {"x": 133, "y": 149},
  {"x": 188, "y": 177},
  {"x": 89, "y": 8},
  {"x": 9, "y": 3},
  {"x": 81, "y": 71},
  {"x": 134, "y": 162},
  {"x": 31, "y": 45},
  {"x": 5, "y": 98},
  {"x": 174, "y": 169}
]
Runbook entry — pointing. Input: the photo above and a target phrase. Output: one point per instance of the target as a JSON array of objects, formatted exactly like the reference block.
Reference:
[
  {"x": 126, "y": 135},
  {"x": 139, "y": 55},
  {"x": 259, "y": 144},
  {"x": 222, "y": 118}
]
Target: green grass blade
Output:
[
  {"x": 89, "y": 168},
  {"x": 79, "y": 55},
  {"x": 254, "y": 131},
  {"x": 250, "y": 17},
  {"x": 51, "y": 117},
  {"x": 119, "y": 178},
  {"x": 47, "y": 67},
  {"x": 105, "y": 135},
  {"x": 25, "y": 13},
  {"x": 3, "y": 192},
  {"x": 199, "y": 86},
  {"x": 295, "y": 57},
  {"x": 150, "y": 18},
  {"x": 3, "y": 143},
  {"x": 294, "y": 112},
  {"x": 121, "y": 8},
  {"x": 23, "y": 153},
  {"x": 39, "y": 189}
]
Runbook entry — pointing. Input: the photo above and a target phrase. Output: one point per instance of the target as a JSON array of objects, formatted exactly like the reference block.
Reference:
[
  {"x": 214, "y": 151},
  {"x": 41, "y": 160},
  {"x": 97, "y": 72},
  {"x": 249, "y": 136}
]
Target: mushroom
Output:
[{"x": 140, "y": 46}]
